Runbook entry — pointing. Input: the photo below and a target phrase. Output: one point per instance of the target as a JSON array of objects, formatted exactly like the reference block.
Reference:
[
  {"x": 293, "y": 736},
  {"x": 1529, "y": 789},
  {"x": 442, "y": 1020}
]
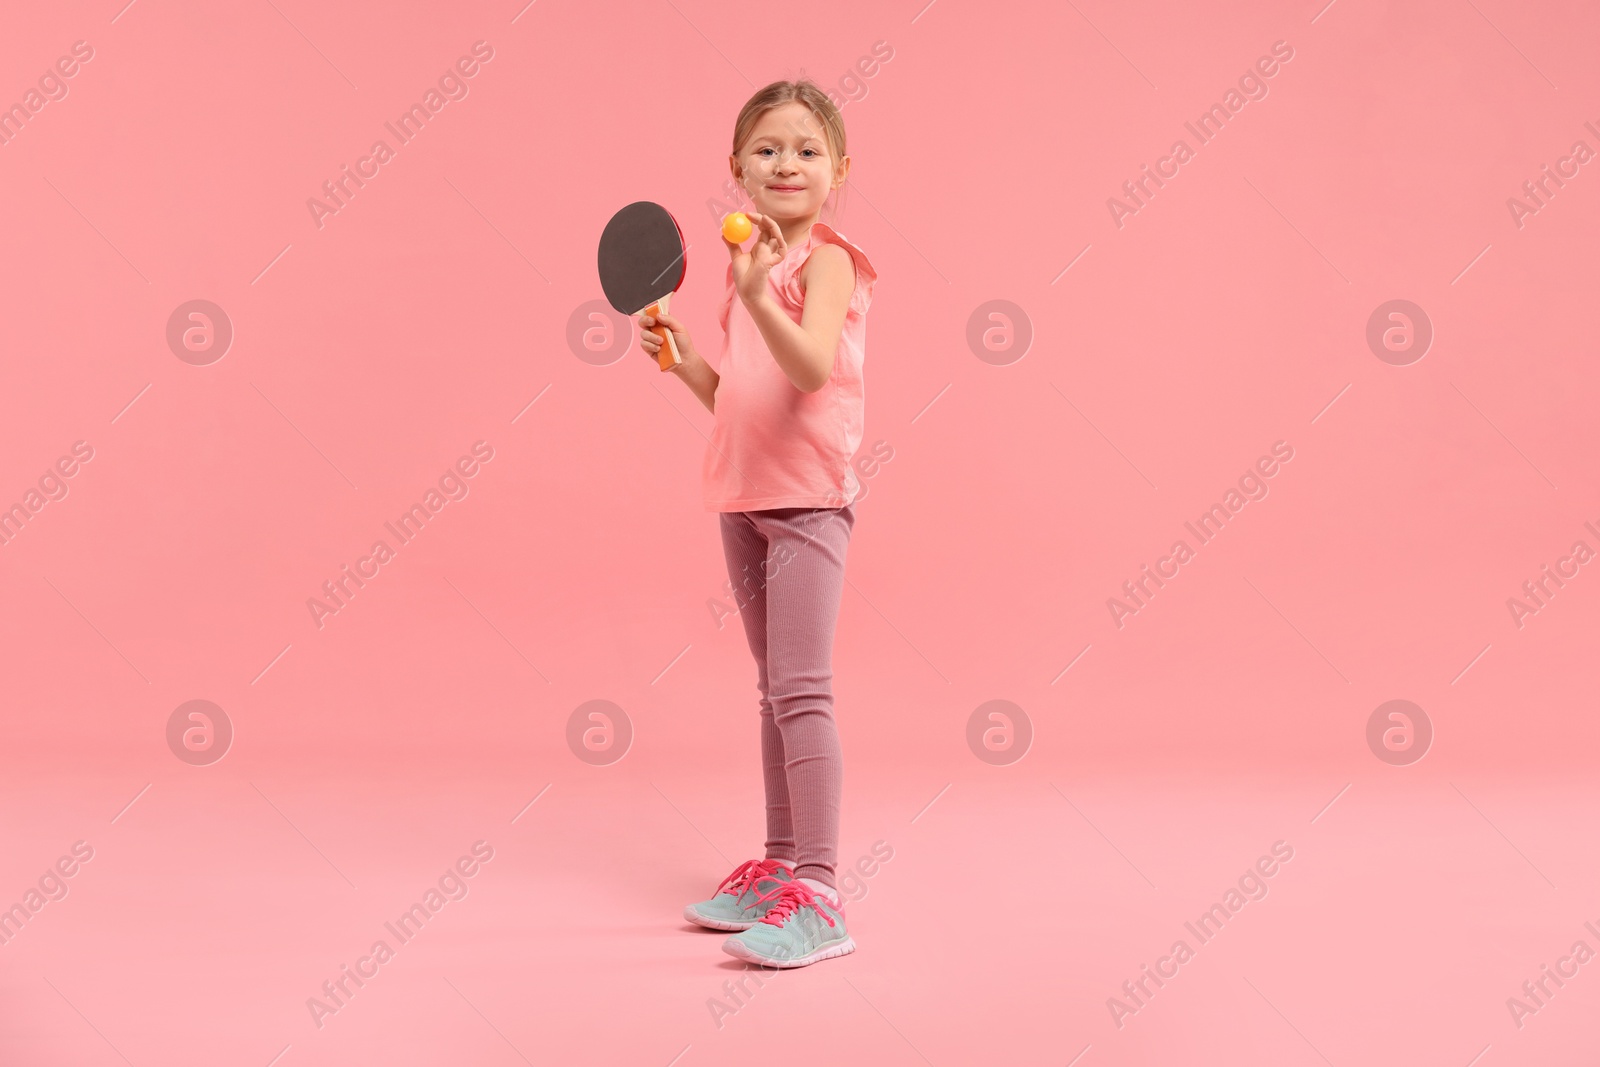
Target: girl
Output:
[{"x": 788, "y": 399}]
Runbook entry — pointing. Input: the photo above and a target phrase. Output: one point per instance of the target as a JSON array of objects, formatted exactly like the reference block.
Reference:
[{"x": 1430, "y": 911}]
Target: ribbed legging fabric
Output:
[{"x": 787, "y": 570}]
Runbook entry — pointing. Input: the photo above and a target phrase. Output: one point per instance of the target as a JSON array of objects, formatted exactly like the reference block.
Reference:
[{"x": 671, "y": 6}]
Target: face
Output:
[{"x": 787, "y": 166}]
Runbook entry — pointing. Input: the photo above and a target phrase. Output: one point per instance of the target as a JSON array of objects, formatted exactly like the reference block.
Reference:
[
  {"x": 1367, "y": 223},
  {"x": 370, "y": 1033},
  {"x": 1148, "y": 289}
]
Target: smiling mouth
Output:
[{"x": 784, "y": 188}]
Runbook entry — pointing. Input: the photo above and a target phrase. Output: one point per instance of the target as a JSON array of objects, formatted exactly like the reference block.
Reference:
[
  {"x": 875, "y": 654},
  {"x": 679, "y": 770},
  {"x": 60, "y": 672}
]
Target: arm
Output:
[
  {"x": 702, "y": 381},
  {"x": 804, "y": 351}
]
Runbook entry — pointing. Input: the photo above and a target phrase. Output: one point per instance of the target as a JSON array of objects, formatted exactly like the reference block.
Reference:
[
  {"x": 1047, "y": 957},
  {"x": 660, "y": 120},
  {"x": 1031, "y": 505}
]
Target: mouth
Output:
[{"x": 785, "y": 189}]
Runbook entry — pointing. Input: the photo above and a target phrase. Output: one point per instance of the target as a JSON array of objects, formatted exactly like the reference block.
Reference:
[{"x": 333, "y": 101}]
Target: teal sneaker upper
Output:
[
  {"x": 797, "y": 924},
  {"x": 747, "y": 893}
]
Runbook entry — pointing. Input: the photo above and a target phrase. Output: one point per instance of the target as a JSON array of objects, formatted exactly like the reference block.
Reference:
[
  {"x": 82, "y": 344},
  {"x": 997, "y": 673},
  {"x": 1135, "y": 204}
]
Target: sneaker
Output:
[
  {"x": 799, "y": 928},
  {"x": 739, "y": 902}
]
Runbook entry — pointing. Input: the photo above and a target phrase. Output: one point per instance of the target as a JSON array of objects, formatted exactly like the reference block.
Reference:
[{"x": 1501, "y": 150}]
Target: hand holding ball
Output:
[{"x": 736, "y": 228}]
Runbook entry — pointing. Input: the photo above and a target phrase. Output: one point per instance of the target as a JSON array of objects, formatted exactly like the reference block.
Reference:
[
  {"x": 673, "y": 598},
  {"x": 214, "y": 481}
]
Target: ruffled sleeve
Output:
[{"x": 788, "y": 272}]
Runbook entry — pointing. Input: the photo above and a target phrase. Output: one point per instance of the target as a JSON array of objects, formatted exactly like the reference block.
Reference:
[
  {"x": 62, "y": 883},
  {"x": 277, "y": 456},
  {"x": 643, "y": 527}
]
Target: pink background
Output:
[{"x": 429, "y": 312}]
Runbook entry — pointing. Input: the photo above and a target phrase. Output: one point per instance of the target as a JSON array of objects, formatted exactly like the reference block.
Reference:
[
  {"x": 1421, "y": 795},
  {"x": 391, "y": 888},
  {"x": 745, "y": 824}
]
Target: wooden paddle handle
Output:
[{"x": 668, "y": 356}]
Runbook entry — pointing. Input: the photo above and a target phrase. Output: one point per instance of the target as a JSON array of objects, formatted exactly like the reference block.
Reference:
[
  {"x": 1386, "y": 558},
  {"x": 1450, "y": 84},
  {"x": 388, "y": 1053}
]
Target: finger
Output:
[
  {"x": 646, "y": 320},
  {"x": 765, "y": 227}
]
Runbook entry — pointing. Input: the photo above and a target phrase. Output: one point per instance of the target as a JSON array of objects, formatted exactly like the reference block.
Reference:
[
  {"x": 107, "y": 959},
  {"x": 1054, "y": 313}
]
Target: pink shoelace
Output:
[
  {"x": 746, "y": 875},
  {"x": 790, "y": 897}
]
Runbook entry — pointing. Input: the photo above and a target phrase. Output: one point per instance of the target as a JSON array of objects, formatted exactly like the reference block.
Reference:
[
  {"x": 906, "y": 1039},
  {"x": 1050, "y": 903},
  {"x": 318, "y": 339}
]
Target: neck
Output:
[{"x": 795, "y": 231}]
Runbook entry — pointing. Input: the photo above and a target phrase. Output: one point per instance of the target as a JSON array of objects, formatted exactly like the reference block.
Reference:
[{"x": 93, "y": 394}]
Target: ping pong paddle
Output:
[{"x": 642, "y": 263}]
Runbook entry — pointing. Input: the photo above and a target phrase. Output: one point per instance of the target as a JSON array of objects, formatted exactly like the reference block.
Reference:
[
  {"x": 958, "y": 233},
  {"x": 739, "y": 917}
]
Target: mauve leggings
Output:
[{"x": 787, "y": 570}]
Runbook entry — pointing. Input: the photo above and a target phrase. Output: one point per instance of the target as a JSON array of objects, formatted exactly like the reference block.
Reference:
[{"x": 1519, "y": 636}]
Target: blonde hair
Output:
[{"x": 802, "y": 91}]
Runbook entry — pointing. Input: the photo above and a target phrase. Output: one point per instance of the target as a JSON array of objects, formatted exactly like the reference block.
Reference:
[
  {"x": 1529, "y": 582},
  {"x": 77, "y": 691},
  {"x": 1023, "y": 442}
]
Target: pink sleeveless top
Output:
[{"x": 774, "y": 446}]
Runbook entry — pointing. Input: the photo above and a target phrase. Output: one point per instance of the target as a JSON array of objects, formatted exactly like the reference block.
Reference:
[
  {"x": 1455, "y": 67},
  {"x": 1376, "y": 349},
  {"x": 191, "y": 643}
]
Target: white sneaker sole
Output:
[
  {"x": 739, "y": 950},
  {"x": 715, "y": 924}
]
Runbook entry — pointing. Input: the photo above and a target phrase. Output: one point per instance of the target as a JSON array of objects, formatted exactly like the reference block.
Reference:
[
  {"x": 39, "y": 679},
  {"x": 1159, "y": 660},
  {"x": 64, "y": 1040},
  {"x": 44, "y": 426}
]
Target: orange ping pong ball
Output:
[{"x": 736, "y": 227}]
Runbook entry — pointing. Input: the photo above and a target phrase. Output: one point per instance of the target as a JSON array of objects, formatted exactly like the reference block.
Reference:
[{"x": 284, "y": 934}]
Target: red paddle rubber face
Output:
[{"x": 684, "y": 257}]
